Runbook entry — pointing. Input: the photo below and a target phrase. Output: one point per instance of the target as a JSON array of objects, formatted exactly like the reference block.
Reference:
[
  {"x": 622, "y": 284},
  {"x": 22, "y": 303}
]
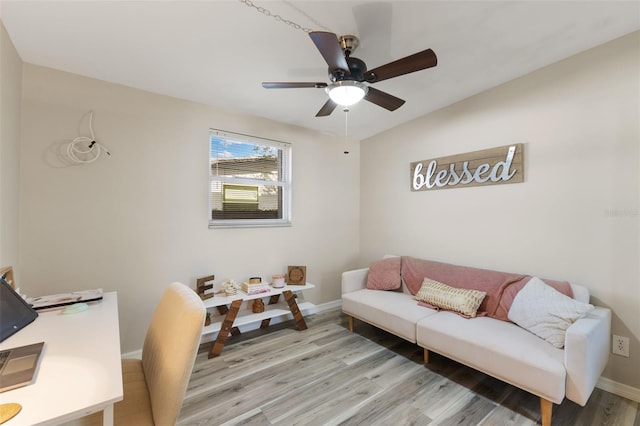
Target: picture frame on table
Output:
[{"x": 296, "y": 275}]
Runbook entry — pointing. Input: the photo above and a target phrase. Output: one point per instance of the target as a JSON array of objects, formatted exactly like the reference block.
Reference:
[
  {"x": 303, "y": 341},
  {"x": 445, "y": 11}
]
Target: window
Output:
[{"x": 249, "y": 181}]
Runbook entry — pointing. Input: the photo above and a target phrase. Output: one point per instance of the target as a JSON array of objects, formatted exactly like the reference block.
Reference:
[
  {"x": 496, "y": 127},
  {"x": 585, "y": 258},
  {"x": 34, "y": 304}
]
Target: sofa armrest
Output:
[
  {"x": 354, "y": 280},
  {"x": 586, "y": 352}
]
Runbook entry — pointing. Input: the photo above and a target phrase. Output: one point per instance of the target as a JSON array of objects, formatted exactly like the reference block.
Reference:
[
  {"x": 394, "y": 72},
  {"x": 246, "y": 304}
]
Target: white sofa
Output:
[{"x": 498, "y": 348}]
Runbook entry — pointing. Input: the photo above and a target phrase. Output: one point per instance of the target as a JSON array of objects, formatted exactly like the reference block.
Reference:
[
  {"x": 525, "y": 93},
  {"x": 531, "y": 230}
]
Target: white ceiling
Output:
[{"x": 218, "y": 52}]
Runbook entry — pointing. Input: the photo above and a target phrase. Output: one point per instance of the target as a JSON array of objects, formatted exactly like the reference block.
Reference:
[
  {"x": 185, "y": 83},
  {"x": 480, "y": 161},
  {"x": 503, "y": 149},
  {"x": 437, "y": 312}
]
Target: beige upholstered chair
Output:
[{"x": 154, "y": 387}]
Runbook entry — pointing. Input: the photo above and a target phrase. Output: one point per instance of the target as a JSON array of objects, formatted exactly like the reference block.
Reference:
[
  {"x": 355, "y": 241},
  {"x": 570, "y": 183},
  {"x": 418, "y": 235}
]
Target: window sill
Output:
[{"x": 249, "y": 224}]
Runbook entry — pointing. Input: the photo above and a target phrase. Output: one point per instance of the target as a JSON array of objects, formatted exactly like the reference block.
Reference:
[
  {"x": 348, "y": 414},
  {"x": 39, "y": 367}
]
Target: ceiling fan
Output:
[{"x": 348, "y": 74}]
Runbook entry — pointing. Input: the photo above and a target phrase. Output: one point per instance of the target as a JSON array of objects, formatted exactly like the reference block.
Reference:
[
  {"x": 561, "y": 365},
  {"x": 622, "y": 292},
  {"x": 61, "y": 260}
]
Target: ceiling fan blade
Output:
[
  {"x": 280, "y": 85},
  {"x": 329, "y": 47},
  {"x": 327, "y": 108},
  {"x": 383, "y": 99},
  {"x": 416, "y": 62}
]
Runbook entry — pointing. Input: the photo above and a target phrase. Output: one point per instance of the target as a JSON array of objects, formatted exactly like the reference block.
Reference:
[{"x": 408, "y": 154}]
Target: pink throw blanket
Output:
[{"x": 501, "y": 287}]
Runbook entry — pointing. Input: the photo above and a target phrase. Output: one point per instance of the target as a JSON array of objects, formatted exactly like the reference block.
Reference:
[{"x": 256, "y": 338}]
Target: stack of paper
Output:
[
  {"x": 64, "y": 299},
  {"x": 255, "y": 288}
]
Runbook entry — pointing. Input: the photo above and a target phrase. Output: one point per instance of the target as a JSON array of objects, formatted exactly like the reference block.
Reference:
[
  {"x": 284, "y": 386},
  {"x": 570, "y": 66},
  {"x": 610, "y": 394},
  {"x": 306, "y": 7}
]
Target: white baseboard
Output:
[
  {"x": 619, "y": 389},
  {"x": 328, "y": 306},
  {"x": 137, "y": 354}
]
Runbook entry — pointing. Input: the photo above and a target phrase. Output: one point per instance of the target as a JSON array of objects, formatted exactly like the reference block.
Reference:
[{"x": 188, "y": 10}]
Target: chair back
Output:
[{"x": 170, "y": 349}]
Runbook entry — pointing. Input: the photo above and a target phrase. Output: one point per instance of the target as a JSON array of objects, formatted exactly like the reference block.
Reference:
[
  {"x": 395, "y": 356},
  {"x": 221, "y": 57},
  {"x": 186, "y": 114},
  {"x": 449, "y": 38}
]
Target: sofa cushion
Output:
[
  {"x": 384, "y": 274},
  {"x": 546, "y": 312},
  {"x": 392, "y": 311},
  {"x": 498, "y": 348},
  {"x": 461, "y": 300}
]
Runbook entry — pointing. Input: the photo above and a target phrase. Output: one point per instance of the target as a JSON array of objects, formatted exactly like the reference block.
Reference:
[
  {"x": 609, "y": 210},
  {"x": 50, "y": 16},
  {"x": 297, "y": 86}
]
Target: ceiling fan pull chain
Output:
[
  {"x": 278, "y": 18},
  {"x": 346, "y": 130}
]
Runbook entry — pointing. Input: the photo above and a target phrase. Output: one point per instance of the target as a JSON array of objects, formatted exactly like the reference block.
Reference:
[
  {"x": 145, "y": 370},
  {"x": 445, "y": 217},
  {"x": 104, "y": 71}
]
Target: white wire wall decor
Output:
[{"x": 85, "y": 149}]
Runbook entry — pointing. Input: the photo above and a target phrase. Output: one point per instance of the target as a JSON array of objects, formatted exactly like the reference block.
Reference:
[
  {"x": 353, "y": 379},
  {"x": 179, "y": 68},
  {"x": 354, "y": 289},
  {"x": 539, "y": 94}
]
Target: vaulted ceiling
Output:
[{"x": 219, "y": 52}]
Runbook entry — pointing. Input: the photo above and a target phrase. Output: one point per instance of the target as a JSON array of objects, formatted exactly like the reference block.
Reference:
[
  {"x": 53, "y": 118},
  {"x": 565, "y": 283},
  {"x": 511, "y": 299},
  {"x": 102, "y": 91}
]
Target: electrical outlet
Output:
[{"x": 620, "y": 345}]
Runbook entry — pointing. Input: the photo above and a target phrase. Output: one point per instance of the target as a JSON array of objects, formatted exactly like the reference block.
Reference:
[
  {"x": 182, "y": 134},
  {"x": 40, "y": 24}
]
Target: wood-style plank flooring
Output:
[{"x": 327, "y": 375}]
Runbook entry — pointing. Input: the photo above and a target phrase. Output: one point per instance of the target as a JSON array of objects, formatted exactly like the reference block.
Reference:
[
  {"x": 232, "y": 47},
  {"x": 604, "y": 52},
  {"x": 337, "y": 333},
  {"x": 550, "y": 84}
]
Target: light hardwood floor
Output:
[{"x": 327, "y": 375}]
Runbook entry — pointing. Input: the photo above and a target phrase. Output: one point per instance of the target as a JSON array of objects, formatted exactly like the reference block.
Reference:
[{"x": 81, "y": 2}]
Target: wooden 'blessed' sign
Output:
[{"x": 493, "y": 166}]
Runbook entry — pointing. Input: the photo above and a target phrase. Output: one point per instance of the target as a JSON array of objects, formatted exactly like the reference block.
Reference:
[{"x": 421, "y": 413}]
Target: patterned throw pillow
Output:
[
  {"x": 462, "y": 300},
  {"x": 546, "y": 312}
]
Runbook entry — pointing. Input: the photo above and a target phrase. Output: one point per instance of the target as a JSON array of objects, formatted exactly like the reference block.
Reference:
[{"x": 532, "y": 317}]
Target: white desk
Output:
[{"x": 80, "y": 370}]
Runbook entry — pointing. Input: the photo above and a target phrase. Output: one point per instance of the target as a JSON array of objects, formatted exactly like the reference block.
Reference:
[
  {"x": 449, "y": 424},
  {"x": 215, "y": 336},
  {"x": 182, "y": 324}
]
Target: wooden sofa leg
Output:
[
  {"x": 350, "y": 323},
  {"x": 546, "y": 407},
  {"x": 426, "y": 356}
]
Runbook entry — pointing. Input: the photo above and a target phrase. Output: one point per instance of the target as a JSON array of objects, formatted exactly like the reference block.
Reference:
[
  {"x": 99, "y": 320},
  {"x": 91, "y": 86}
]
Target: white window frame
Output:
[{"x": 284, "y": 182}]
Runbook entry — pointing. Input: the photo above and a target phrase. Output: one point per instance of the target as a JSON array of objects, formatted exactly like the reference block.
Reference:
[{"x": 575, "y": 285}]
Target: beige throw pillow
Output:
[{"x": 462, "y": 300}]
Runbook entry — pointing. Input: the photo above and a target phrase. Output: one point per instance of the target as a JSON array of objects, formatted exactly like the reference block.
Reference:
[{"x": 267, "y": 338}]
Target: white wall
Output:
[
  {"x": 10, "y": 124},
  {"x": 576, "y": 215},
  {"x": 137, "y": 220}
]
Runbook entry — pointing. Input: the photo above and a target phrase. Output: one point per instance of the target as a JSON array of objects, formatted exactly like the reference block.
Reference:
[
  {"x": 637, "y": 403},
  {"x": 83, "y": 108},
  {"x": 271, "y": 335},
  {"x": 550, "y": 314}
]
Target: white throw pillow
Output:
[{"x": 546, "y": 312}]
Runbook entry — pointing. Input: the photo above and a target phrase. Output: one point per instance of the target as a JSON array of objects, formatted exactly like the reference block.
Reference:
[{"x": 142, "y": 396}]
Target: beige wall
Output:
[
  {"x": 137, "y": 220},
  {"x": 576, "y": 215},
  {"x": 10, "y": 123}
]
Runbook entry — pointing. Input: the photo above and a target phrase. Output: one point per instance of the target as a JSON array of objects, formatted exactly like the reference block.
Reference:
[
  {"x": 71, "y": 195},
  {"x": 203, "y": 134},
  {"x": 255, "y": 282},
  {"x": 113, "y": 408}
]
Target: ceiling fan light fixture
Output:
[{"x": 346, "y": 92}]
